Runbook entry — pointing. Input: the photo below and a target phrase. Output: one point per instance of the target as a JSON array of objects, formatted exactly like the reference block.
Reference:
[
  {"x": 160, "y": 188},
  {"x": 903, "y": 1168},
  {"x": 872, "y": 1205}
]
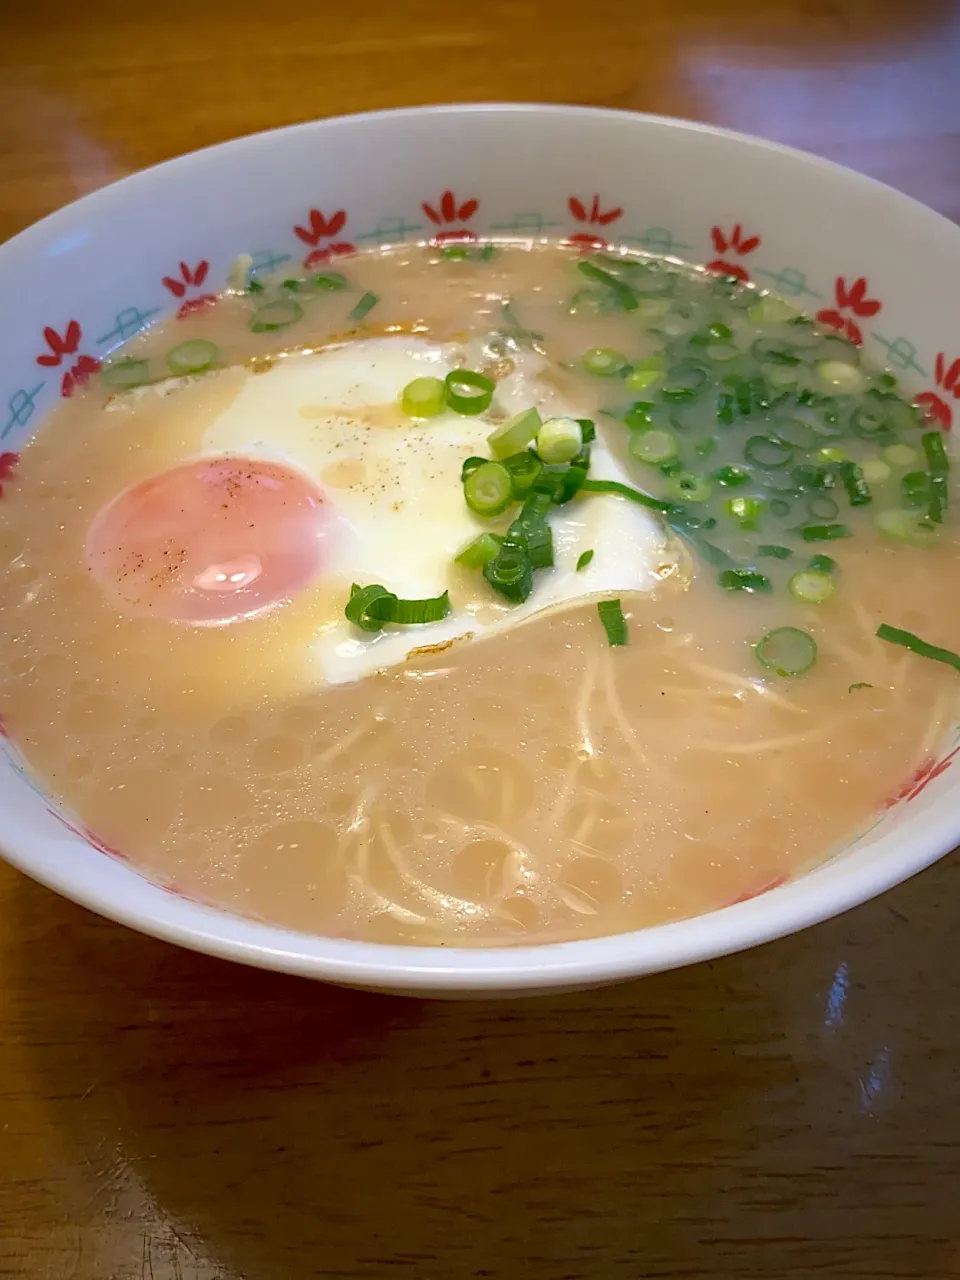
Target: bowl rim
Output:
[{"x": 488, "y": 969}]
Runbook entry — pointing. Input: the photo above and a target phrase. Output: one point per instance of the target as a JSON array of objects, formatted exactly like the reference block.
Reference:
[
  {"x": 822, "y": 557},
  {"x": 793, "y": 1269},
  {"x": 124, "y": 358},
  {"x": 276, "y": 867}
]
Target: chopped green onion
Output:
[
  {"x": 779, "y": 507},
  {"x": 370, "y": 607},
  {"x": 127, "y": 373},
  {"x": 364, "y": 306},
  {"x": 831, "y": 454},
  {"x": 532, "y": 529},
  {"x": 624, "y": 296},
  {"x": 809, "y": 476},
  {"x": 584, "y": 560},
  {"x": 275, "y": 315},
  {"x": 822, "y": 508},
  {"x": 810, "y": 587},
  {"x": 907, "y": 526},
  {"x": 488, "y": 489},
  {"x": 614, "y": 623},
  {"x": 254, "y": 286},
  {"x": 825, "y": 532},
  {"x": 471, "y": 393},
  {"x": 731, "y": 477},
  {"x": 326, "y": 282},
  {"x": 361, "y": 599},
  {"x": 746, "y": 510},
  {"x": 604, "y": 362},
  {"x": 915, "y": 489},
  {"x": 707, "y": 446},
  {"x": 412, "y": 613},
  {"x": 588, "y": 430},
  {"x": 625, "y": 491},
  {"x": 686, "y": 380},
  {"x": 841, "y": 376},
  {"x": 767, "y": 451},
  {"x": 688, "y": 486},
  {"x": 487, "y": 253},
  {"x": 900, "y": 455},
  {"x": 515, "y": 434},
  {"x": 856, "y": 486},
  {"x": 424, "y": 397},
  {"x": 875, "y": 470},
  {"x": 744, "y": 580},
  {"x": 471, "y": 464},
  {"x": 454, "y": 252},
  {"x": 639, "y": 415},
  {"x": 479, "y": 551},
  {"x": 559, "y": 440},
  {"x": 769, "y": 309},
  {"x": 920, "y": 647},
  {"x": 654, "y": 447},
  {"x": 861, "y": 684},
  {"x": 823, "y": 564},
  {"x": 193, "y": 356},
  {"x": 524, "y": 468},
  {"x": 798, "y": 434},
  {"x": 645, "y": 373},
  {"x": 774, "y": 551},
  {"x": 936, "y": 454},
  {"x": 510, "y": 571},
  {"x": 787, "y": 651}
]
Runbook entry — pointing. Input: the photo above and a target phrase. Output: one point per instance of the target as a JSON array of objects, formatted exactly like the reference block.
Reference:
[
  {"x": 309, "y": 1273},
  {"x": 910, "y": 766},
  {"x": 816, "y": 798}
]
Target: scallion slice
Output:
[
  {"x": 275, "y": 315},
  {"x": 645, "y": 373},
  {"x": 654, "y": 447},
  {"x": 515, "y": 434},
  {"x": 825, "y": 532},
  {"x": 858, "y": 491},
  {"x": 559, "y": 440},
  {"x": 823, "y": 564},
  {"x": 767, "y": 451},
  {"x": 614, "y": 623},
  {"x": 524, "y": 468},
  {"x": 688, "y": 486},
  {"x": 774, "y": 551},
  {"x": 127, "y": 373},
  {"x": 604, "y": 362},
  {"x": 196, "y": 355},
  {"x": 584, "y": 559},
  {"x": 907, "y": 526},
  {"x": 471, "y": 464},
  {"x": 744, "y": 580},
  {"x": 810, "y": 587},
  {"x": 479, "y": 551},
  {"x": 363, "y": 308},
  {"x": 510, "y": 571},
  {"x": 787, "y": 651},
  {"x": 625, "y": 491},
  {"x": 470, "y": 393},
  {"x": 895, "y": 635},
  {"x": 625, "y": 297},
  {"x": 424, "y": 397},
  {"x": 358, "y": 610},
  {"x": 488, "y": 489},
  {"x": 370, "y": 607}
]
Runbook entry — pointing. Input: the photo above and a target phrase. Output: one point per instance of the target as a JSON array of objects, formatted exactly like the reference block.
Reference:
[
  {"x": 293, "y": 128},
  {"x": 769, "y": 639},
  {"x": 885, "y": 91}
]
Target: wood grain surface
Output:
[{"x": 793, "y": 1112}]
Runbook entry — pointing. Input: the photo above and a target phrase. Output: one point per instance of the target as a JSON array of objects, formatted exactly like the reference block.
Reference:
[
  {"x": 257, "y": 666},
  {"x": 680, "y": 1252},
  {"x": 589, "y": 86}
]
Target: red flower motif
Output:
[
  {"x": 586, "y": 239},
  {"x": 190, "y": 279},
  {"x": 322, "y": 228},
  {"x": 450, "y": 212},
  {"x": 736, "y": 244},
  {"x": 775, "y": 883},
  {"x": 855, "y": 300},
  {"x": 79, "y": 372},
  {"x": 948, "y": 378},
  {"x": 3, "y": 728},
  {"x": 929, "y": 770}
]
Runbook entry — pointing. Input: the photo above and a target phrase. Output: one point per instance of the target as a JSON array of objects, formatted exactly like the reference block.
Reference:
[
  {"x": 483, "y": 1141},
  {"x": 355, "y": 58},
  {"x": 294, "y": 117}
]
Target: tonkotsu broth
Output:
[{"x": 532, "y": 786}]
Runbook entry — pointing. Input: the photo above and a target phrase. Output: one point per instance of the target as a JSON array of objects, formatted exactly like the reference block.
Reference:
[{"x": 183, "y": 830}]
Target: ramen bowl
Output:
[{"x": 870, "y": 262}]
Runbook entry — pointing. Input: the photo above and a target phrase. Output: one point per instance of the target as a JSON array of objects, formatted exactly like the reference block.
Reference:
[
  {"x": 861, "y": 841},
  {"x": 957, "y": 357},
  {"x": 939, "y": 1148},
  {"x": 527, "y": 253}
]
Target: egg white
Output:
[{"x": 394, "y": 488}]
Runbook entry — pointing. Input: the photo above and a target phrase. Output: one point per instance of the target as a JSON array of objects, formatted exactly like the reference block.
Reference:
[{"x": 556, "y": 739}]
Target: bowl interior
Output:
[{"x": 869, "y": 262}]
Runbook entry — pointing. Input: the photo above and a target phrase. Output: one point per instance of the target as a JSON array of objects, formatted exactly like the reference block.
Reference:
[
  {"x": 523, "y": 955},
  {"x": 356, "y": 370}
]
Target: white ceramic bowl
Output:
[{"x": 865, "y": 257}]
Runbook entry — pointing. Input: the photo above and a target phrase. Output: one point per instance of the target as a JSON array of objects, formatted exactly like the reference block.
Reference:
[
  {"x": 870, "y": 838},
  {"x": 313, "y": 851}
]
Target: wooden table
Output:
[{"x": 790, "y": 1113}]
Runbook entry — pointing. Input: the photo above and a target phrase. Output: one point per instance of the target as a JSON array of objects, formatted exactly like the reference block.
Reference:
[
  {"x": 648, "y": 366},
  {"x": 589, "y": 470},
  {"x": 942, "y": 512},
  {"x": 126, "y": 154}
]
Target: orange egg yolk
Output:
[{"x": 210, "y": 541}]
